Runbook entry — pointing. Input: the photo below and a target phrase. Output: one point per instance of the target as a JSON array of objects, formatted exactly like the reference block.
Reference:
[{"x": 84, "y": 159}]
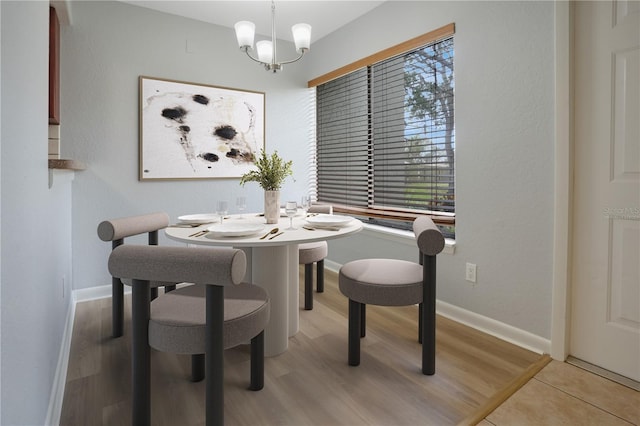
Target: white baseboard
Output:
[
  {"x": 93, "y": 293},
  {"x": 479, "y": 322},
  {"x": 59, "y": 381},
  {"x": 495, "y": 328},
  {"x": 57, "y": 390}
]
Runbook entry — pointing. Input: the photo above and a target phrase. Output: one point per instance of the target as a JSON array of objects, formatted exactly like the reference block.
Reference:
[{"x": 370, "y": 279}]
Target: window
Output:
[{"x": 386, "y": 139}]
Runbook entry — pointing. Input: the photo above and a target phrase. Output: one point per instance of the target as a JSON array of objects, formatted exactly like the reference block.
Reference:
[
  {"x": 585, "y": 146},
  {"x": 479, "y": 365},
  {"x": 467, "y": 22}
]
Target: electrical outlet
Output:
[{"x": 470, "y": 274}]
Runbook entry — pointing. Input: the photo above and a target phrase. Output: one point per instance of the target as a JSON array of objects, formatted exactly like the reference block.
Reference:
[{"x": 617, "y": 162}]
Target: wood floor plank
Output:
[{"x": 311, "y": 383}]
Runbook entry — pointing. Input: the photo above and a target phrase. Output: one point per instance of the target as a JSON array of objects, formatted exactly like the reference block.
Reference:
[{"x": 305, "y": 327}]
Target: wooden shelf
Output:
[{"x": 66, "y": 164}]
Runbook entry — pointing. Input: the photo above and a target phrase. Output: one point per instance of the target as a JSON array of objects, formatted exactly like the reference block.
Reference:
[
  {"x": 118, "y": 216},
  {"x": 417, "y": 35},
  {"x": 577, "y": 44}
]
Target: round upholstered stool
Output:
[
  {"x": 308, "y": 254},
  {"x": 178, "y": 323},
  {"x": 384, "y": 282},
  {"x": 393, "y": 282}
]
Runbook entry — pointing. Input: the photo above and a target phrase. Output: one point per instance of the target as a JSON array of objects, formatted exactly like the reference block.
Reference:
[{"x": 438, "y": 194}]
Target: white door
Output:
[{"x": 605, "y": 318}]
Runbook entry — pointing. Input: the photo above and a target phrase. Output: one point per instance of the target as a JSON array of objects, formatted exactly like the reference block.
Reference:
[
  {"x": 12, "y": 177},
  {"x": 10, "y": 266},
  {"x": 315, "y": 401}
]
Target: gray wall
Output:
[
  {"x": 504, "y": 68},
  {"x": 504, "y": 129},
  {"x": 35, "y": 226},
  {"x": 108, "y": 46}
]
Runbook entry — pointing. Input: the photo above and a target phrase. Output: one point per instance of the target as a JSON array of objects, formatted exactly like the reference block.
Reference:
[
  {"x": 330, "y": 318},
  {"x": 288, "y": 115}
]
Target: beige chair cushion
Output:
[
  {"x": 178, "y": 318},
  {"x": 320, "y": 208},
  {"x": 385, "y": 282},
  {"x": 211, "y": 265},
  {"x": 312, "y": 252},
  {"x": 428, "y": 237},
  {"x": 116, "y": 229}
]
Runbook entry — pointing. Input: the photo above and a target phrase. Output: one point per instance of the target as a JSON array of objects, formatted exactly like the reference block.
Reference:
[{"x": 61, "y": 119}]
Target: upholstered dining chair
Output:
[
  {"x": 182, "y": 321},
  {"x": 392, "y": 282},
  {"x": 310, "y": 253},
  {"x": 116, "y": 230}
]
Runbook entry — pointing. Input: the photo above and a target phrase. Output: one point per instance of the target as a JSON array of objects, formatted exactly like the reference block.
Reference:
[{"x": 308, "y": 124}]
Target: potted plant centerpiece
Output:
[{"x": 270, "y": 174}]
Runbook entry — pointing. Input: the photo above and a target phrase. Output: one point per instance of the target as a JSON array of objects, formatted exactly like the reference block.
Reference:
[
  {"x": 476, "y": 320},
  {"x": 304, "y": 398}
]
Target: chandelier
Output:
[{"x": 266, "y": 49}]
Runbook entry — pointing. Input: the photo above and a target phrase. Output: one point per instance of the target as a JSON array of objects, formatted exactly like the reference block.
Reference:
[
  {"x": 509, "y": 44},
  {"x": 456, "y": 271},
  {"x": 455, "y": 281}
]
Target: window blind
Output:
[
  {"x": 343, "y": 133},
  {"x": 413, "y": 133},
  {"x": 385, "y": 136}
]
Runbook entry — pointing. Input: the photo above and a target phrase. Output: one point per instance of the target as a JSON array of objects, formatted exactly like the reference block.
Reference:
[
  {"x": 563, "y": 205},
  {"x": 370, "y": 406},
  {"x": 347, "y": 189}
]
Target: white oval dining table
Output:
[{"x": 272, "y": 263}]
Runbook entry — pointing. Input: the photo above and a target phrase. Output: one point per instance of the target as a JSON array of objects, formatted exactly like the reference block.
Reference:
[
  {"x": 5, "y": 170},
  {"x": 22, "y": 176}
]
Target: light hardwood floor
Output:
[{"x": 311, "y": 383}]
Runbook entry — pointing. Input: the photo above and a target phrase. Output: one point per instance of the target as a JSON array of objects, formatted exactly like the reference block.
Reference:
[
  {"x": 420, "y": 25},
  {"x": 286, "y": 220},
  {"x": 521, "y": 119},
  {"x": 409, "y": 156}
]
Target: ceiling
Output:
[{"x": 323, "y": 16}]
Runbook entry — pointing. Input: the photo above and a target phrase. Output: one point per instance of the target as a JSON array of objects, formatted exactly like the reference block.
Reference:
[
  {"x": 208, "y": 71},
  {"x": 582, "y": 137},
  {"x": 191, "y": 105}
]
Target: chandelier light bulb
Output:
[
  {"x": 245, "y": 31},
  {"x": 301, "y": 36},
  {"x": 265, "y": 49}
]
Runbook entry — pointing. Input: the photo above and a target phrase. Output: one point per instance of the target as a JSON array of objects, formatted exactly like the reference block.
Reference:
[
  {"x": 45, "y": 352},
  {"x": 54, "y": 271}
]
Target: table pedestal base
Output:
[{"x": 275, "y": 269}]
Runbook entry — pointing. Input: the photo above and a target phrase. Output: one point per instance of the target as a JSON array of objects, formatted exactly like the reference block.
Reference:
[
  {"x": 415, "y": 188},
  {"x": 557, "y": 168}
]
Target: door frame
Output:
[{"x": 563, "y": 182}]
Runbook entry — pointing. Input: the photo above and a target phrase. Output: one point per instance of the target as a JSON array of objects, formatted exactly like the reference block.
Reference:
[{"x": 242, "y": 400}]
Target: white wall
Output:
[
  {"x": 504, "y": 129},
  {"x": 35, "y": 227},
  {"x": 108, "y": 46},
  {"x": 504, "y": 76}
]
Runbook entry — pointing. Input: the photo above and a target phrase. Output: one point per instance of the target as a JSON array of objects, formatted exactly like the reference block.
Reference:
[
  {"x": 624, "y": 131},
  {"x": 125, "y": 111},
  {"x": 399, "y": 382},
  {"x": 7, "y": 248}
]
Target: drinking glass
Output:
[
  {"x": 222, "y": 209},
  {"x": 291, "y": 208},
  {"x": 306, "y": 203},
  {"x": 241, "y": 204}
]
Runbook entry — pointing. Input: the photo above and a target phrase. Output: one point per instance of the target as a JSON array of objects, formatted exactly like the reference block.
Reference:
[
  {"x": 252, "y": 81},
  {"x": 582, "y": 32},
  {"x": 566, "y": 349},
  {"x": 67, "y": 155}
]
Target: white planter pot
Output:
[{"x": 272, "y": 206}]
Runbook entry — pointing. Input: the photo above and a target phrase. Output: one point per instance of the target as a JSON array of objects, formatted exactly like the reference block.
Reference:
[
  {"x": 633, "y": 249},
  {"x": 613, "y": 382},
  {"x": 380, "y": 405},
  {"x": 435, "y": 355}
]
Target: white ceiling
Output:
[{"x": 323, "y": 16}]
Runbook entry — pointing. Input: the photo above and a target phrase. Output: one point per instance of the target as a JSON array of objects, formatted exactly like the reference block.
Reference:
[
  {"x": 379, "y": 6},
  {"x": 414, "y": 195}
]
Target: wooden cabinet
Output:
[{"x": 54, "y": 67}]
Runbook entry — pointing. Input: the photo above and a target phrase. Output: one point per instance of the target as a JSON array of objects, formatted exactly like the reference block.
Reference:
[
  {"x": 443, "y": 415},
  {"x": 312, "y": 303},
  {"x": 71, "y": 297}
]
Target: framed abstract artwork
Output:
[{"x": 196, "y": 131}]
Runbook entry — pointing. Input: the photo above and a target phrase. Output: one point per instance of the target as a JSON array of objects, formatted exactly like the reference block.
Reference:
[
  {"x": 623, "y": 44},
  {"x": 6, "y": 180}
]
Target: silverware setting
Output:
[
  {"x": 273, "y": 231},
  {"x": 324, "y": 228},
  {"x": 279, "y": 233},
  {"x": 199, "y": 233}
]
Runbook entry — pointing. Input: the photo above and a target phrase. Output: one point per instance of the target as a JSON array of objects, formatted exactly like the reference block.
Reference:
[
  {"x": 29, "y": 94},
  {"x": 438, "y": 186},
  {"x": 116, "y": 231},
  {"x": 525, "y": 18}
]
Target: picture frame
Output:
[{"x": 198, "y": 131}]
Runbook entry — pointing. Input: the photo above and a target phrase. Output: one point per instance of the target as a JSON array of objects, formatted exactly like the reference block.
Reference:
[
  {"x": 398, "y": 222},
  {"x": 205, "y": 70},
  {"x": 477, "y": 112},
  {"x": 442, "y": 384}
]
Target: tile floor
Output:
[{"x": 563, "y": 394}]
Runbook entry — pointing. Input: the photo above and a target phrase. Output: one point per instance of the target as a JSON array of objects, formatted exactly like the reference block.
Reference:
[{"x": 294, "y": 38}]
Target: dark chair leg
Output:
[
  {"x": 197, "y": 367},
  {"x": 363, "y": 320},
  {"x": 429, "y": 316},
  {"x": 320, "y": 276},
  {"x": 117, "y": 307},
  {"x": 214, "y": 358},
  {"x": 117, "y": 299},
  {"x": 257, "y": 362},
  {"x": 354, "y": 332},
  {"x": 308, "y": 286},
  {"x": 140, "y": 354},
  {"x": 420, "y": 323},
  {"x": 168, "y": 288}
]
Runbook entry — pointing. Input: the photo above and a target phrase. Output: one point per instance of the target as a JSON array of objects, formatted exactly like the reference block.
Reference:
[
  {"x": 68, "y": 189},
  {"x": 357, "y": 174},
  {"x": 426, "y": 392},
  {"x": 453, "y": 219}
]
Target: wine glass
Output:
[
  {"x": 291, "y": 208},
  {"x": 306, "y": 203},
  {"x": 222, "y": 209},
  {"x": 241, "y": 204}
]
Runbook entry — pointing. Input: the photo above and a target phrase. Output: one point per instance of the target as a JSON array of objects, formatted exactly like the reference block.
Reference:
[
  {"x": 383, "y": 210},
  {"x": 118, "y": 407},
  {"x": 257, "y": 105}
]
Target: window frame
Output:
[{"x": 391, "y": 213}]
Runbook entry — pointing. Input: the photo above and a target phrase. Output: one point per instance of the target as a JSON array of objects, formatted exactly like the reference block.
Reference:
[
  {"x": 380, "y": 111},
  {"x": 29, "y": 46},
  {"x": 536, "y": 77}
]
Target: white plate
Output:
[
  {"x": 236, "y": 229},
  {"x": 332, "y": 220},
  {"x": 199, "y": 218}
]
